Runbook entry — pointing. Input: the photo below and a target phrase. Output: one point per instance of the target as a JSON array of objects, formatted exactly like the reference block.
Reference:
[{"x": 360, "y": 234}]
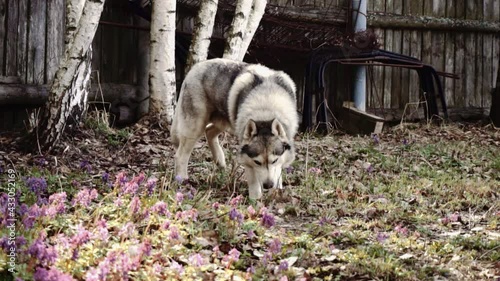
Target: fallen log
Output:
[{"x": 36, "y": 95}]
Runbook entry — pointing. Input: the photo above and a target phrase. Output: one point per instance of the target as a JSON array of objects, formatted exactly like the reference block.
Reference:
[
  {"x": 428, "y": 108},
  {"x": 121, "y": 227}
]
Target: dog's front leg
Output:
[{"x": 254, "y": 186}]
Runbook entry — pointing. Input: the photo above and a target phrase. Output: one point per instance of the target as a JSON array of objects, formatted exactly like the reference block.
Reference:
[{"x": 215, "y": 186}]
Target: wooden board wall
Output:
[{"x": 474, "y": 56}]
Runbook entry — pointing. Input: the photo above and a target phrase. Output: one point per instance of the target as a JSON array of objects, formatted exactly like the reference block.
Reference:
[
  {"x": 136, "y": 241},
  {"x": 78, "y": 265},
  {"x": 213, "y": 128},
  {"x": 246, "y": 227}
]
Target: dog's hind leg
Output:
[
  {"x": 186, "y": 143},
  {"x": 212, "y": 133}
]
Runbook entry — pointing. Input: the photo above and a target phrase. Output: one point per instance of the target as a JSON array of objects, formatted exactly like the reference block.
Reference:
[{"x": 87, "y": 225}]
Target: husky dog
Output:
[{"x": 251, "y": 101}]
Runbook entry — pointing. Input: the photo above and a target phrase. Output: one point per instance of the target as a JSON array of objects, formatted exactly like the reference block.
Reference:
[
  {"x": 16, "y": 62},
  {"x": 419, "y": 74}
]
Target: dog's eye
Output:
[
  {"x": 257, "y": 162},
  {"x": 275, "y": 160}
]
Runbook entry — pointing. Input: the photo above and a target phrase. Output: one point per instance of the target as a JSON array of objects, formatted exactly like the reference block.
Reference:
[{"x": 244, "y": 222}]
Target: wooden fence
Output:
[{"x": 471, "y": 54}]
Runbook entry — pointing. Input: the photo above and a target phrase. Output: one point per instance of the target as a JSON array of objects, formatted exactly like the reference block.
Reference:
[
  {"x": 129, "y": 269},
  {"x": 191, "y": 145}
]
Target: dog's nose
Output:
[{"x": 268, "y": 184}]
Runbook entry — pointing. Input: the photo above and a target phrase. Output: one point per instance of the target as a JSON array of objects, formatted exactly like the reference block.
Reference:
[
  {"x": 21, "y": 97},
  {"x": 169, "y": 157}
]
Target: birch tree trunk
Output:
[
  {"x": 162, "y": 65},
  {"x": 203, "y": 28},
  {"x": 258, "y": 9},
  {"x": 67, "y": 101},
  {"x": 237, "y": 29}
]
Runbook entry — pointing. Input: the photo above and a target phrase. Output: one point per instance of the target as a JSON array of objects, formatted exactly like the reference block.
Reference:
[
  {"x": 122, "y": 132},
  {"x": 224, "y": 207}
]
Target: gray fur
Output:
[{"x": 253, "y": 102}]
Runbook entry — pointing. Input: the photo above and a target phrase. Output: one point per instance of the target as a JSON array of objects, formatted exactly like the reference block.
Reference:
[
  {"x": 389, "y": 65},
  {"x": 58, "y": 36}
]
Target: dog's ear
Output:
[
  {"x": 250, "y": 129},
  {"x": 277, "y": 129}
]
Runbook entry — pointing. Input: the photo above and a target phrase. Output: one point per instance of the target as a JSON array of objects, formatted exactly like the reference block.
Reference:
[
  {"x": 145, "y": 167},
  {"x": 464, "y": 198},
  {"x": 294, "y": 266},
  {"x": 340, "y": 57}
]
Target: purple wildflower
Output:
[
  {"x": 369, "y": 168},
  {"x": 81, "y": 236},
  {"x": 127, "y": 230},
  {"x": 179, "y": 197},
  {"x": 146, "y": 247},
  {"x": 375, "y": 138},
  {"x": 401, "y": 230},
  {"x": 52, "y": 274},
  {"x": 216, "y": 205},
  {"x": 118, "y": 202},
  {"x": 161, "y": 209},
  {"x": 251, "y": 234},
  {"x": 31, "y": 215},
  {"x": 41, "y": 162},
  {"x": 314, "y": 170},
  {"x": 150, "y": 185},
  {"x": 135, "y": 205},
  {"x": 37, "y": 185},
  {"x": 197, "y": 260},
  {"x": 85, "y": 165},
  {"x": 381, "y": 237},
  {"x": 139, "y": 178},
  {"x": 105, "y": 177},
  {"x": 121, "y": 179},
  {"x": 179, "y": 179},
  {"x": 130, "y": 187},
  {"x": 174, "y": 233},
  {"x": 236, "y": 201},
  {"x": 102, "y": 230},
  {"x": 177, "y": 267},
  {"x": 289, "y": 169},
  {"x": 84, "y": 197},
  {"x": 283, "y": 265},
  {"x": 57, "y": 204},
  {"x": 405, "y": 142},
  {"x": 46, "y": 256},
  {"x": 267, "y": 220},
  {"x": 235, "y": 215},
  {"x": 251, "y": 211},
  {"x": 325, "y": 220},
  {"x": 251, "y": 269},
  {"x": 274, "y": 246},
  {"x": 232, "y": 256}
]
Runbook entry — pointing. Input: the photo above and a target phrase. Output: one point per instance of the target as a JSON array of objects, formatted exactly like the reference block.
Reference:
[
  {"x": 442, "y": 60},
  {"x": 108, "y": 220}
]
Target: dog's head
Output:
[{"x": 266, "y": 150}]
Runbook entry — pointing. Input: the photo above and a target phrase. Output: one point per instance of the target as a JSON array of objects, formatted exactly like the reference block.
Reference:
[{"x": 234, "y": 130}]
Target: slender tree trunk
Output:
[
  {"x": 143, "y": 62},
  {"x": 258, "y": 10},
  {"x": 203, "y": 28},
  {"x": 67, "y": 102},
  {"x": 237, "y": 29},
  {"x": 162, "y": 66}
]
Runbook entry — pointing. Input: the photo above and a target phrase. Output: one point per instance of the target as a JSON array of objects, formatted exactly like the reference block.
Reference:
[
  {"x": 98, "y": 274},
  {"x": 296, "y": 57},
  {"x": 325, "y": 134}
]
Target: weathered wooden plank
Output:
[
  {"x": 438, "y": 40},
  {"x": 460, "y": 9},
  {"x": 460, "y": 92},
  {"x": 449, "y": 57},
  {"x": 22, "y": 39},
  {"x": 427, "y": 46},
  {"x": 487, "y": 70},
  {"x": 495, "y": 60},
  {"x": 478, "y": 64},
  {"x": 397, "y": 42},
  {"x": 470, "y": 69},
  {"x": 449, "y": 67},
  {"x": 36, "y": 42},
  {"x": 471, "y": 11},
  {"x": 55, "y": 40},
  {"x": 451, "y": 8},
  {"x": 11, "y": 44},
  {"x": 416, "y": 8},
  {"x": 377, "y": 95},
  {"x": 389, "y": 39},
  {"x": 496, "y": 9},
  {"x": 405, "y": 73},
  {"x": 3, "y": 34},
  {"x": 489, "y": 10}
]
